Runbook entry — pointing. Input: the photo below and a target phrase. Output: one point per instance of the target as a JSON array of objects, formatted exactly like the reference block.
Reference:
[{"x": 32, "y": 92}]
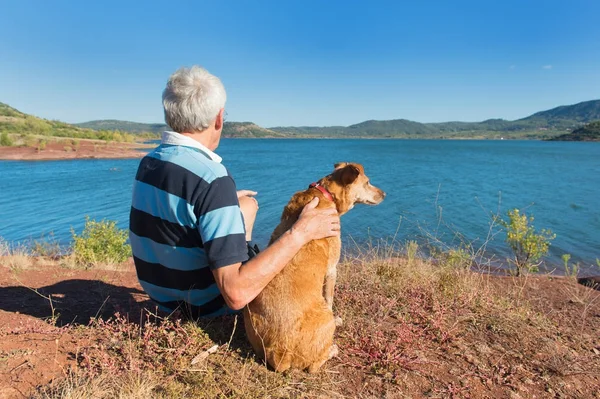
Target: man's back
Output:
[{"x": 185, "y": 221}]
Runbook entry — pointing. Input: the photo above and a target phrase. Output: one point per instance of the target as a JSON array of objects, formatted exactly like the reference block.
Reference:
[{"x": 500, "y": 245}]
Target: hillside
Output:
[
  {"x": 540, "y": 125},
  {"x": 589, "y": 132},
  {"x": 23, "y": 127},
  {"x": 248, "y": 130},
  {"x": 27, "y": 137},
  {"x": 125, "y": 126},
  {"x": 230, "y": 130},
  {"x": 566, "y": 116}
]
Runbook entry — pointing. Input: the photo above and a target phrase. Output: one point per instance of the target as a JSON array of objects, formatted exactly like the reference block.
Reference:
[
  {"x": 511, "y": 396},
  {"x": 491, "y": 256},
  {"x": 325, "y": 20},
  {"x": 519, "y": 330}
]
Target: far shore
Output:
[{"x": 84, "y": 149}]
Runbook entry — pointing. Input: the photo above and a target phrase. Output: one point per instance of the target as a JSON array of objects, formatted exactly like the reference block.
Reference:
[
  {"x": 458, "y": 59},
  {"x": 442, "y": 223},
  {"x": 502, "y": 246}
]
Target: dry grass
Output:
[
  {"x": 16, "y": 258},
  {"x": 412, "y": 328}
]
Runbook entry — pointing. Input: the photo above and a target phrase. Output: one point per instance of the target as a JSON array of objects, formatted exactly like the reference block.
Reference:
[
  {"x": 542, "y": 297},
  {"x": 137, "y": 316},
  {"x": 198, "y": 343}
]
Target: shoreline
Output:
[{"x": 63, "y": 150}]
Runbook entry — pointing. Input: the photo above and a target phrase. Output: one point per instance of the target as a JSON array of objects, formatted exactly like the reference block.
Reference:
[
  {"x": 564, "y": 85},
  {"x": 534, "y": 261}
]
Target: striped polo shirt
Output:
[{"x": 185, "y": 221}]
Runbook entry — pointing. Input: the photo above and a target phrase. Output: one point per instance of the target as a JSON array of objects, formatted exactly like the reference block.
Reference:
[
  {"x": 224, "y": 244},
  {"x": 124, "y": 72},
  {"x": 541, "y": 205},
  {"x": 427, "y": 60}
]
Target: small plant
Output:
[
  {"x": 47, "y": 246},
  {"x": 68, "y": 148},
  {"x": 100, "y": 242},
  {"x": 528, "y": 247},
  {"x": 5, "y": 141},
  {"x": 41, "y": 145},
  {"x": 570, "y": 270},
  {"x": 411, "y": 251},
  {"x": 459, "y": 258}
]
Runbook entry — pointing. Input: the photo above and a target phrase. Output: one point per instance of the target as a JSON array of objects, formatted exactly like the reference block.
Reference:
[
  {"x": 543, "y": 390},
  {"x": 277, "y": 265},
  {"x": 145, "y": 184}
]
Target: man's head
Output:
[{"x": 194, "y": 102}]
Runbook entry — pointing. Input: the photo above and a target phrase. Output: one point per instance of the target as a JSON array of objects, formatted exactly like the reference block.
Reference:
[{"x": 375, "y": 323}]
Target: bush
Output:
[
  {"x": 41, "y": 145},
  {"x": 100, "y": 242},
  {"x": 5, "y": 141},
  {"x": 46, "y": 246},
  {"x": 528, "y": 247}
]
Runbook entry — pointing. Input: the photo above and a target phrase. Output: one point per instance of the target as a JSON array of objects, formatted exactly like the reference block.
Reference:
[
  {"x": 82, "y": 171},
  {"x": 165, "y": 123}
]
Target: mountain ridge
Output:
[{"x": 540, "y": 125}]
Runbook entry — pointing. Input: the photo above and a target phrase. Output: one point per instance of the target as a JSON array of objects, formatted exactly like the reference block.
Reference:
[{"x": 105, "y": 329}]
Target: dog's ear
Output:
[
  {"x": 349, "y": 173},
  {"x": 340, "y": 165}
]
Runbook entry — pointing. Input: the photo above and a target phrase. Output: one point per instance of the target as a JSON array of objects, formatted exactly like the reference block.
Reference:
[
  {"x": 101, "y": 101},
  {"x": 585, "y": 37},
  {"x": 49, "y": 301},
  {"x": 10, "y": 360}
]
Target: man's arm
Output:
[{"x": 241, "y": 283}]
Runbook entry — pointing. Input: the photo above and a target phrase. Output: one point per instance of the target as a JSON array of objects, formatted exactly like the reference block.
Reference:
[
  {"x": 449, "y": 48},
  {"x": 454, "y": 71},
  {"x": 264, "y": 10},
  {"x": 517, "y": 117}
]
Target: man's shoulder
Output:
[{"x": 190, "y": 159}]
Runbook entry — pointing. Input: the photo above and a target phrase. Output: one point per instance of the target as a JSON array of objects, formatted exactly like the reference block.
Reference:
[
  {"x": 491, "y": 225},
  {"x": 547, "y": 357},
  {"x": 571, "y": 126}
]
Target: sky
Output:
[{"x": 302, "y": 63}]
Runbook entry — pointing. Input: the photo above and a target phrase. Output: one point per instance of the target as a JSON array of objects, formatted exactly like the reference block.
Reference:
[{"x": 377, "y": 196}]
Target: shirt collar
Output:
[{"x": 174, "y": 138}]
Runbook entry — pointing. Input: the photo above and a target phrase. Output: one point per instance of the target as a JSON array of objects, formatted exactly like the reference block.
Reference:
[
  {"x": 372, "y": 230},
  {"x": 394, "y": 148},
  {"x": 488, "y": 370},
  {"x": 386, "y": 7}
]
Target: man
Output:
[{"x": 189, "y": 225}]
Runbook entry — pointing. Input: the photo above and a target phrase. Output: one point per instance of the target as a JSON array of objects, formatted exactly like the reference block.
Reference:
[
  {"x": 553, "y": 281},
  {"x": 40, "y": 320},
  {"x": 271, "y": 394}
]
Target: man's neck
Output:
[{"x": 204, "y": 137}]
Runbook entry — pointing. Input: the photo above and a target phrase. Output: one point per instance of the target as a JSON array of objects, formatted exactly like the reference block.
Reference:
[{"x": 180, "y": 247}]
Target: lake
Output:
[{"x": 437, "y": 190}]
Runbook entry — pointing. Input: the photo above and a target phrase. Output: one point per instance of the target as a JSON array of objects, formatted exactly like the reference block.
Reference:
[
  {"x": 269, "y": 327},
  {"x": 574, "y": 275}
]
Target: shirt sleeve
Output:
[{"x": 221, "y": 225}]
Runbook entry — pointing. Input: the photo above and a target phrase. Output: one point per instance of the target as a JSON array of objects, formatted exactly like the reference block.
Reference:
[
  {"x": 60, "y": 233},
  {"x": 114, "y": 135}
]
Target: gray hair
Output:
[{"x": 192, "y": 99}]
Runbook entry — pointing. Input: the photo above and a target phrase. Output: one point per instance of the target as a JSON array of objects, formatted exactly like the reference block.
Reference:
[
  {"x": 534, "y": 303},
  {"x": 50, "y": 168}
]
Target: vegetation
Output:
[
  {"x": 5, "y": 140},
  {"x": 230, "y": 129},
  {"x": 100, "y": 243},
  {"x": 527, "y": 245},
  {"x": 589, "y": 132},
  {"x": 545, "y": 124},
  {"x": 411, "y": 329},
  {"x": 248, "y": 130},
  {"x": 17, "y": 123}
]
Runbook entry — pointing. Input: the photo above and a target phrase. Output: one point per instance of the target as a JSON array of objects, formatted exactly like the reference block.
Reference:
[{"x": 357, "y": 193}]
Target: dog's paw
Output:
[
  {"x": 338, "y": 321},
  {"x": 333, "y": 351}
]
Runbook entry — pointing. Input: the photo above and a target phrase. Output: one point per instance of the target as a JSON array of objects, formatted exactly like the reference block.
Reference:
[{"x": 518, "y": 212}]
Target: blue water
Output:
[{"x": 435, "y": 190}]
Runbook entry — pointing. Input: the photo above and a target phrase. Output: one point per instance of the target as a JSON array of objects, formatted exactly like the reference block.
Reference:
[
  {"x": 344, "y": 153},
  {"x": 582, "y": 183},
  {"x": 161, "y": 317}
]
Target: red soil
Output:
[
  {"x": 64, "y": 149},
  {"x": 34, "y": 349}
]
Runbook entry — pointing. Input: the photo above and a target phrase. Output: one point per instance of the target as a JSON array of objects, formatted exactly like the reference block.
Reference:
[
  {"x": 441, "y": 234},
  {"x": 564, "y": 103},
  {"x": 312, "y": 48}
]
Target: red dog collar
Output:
[{"x": 322, "y": 189}]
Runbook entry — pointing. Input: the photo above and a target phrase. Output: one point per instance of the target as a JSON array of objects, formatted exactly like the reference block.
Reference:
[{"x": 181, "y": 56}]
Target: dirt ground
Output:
[
  {"x": 34, "y": 347},
  {"x": 56, "y": 149},
  {"x": 39, "y": 344}
]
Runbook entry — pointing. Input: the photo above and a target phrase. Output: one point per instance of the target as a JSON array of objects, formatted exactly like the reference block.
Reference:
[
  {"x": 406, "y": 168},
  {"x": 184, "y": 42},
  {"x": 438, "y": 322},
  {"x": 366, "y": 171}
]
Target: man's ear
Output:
[
  {"x": 219, "y": 119},
  {"x": 349, "y": 174}
]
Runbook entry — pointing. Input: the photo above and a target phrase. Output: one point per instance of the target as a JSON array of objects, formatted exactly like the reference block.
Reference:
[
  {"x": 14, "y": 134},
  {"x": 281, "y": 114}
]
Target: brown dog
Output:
[{"x": 291, "y": 323}]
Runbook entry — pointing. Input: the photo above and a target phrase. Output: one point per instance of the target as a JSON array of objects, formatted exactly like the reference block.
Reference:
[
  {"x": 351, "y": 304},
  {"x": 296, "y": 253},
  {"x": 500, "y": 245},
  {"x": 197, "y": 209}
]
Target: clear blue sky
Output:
[{"x": 302, "y": 62}]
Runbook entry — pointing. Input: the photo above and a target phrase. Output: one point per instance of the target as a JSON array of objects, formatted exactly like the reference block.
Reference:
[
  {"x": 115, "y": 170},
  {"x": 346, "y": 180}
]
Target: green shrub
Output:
[
  {"x": 5, "y": 141},
  {"x": 100, "y": 242},
  {"x": 570, "y": 270},
  {"x": 528, "y": 247},
  {"x": 41, "y": 145}
]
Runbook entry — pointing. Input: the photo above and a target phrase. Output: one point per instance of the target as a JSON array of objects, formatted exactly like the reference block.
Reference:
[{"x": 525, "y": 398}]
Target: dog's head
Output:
[{"x": 349, "y": 185}]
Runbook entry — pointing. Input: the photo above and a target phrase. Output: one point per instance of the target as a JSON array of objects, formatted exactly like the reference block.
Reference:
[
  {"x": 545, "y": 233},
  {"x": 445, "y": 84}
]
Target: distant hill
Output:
[
  {"x": 230, "y": 130},
  {"x": 9, "y": 112},
  {"x": 15, "y": 121},
  {"x": 589, "y": 132},
  {"x": 566, "y": 116},
  {"x": 248, "y": 130},
  {"x": 23, "y": 127},
  {"x": 540, "y": 125},
  {"x": 124, "y": 126}
]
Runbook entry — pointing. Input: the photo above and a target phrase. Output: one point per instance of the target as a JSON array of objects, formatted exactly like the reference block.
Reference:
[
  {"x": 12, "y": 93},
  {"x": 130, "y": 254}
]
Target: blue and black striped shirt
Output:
[{"x": 185, "y": 221}]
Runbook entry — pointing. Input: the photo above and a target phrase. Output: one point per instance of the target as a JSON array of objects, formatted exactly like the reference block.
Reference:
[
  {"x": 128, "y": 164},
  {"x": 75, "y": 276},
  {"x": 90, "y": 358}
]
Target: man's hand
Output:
[
  {"x": 249, "y": 208},
  {"x": 246, "y": 193},
  {"x": 241, "y": 283},
  {"x": 314, "y": 223}
]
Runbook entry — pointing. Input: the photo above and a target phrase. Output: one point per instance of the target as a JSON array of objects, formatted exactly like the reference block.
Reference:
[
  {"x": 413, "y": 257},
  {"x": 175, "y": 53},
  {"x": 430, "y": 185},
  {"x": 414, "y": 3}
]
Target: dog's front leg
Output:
[
  {"x": 328, "y": 289},
  {"x": 329, "y": 286}
]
